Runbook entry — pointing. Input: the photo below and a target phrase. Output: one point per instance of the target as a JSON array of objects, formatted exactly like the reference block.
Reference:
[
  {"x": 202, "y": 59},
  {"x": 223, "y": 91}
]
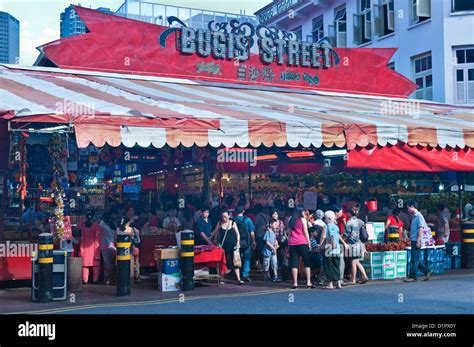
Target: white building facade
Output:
[
  {"x": 435, "y": 38},
  {"x": 155, "y": 13}
]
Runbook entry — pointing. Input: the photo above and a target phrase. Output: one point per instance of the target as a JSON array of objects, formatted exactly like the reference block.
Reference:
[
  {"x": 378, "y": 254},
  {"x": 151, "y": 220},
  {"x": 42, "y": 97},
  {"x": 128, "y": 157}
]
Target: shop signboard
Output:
[{"x": 224, "y": 52}]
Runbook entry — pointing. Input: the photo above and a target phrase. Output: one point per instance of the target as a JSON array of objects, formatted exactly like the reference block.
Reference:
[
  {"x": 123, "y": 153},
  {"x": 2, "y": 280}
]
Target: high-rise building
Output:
[
  {"x": 435, "y": 38},
  {"x": 9, "y": 39},
  {"x": 72, "y": 25}
]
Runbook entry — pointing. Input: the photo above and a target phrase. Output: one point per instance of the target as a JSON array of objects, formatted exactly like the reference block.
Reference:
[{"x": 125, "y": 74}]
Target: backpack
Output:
[
  {"x": 244, "y": 233},
  {"x": 363, "y": 234}
]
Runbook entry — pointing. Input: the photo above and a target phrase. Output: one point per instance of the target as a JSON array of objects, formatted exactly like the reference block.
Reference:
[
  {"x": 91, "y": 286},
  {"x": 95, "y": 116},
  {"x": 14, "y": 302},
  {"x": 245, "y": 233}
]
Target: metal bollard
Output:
[
  {"x": 45, "y": 268},
  {"x": 187, "y": 259},
  {"x": 123, "y": 263}
]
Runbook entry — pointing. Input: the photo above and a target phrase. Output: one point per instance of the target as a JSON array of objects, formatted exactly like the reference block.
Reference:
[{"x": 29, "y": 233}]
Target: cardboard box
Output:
[
  {"x": 169, "y": 282},
  {"x": 166, "y": 253},
  {"x": 401, "y": 257},
  {"x": 401, "y": 271},
  {"x": 389, "y": 257},
  {"x": 439, "y": 254},
  {"x": 448, "y": 261},
  {"x": 453, "y": 248},
  {"x": 437, "y": 268},
  {"x": 374, "y": 272},
  {"x": 389, "y": 272},
  {"x": 456, "y": 262},
  {"x": 170, "y": 266},
  {"x": 431, "y": 254},
  {"x": 376, "y": 258}
]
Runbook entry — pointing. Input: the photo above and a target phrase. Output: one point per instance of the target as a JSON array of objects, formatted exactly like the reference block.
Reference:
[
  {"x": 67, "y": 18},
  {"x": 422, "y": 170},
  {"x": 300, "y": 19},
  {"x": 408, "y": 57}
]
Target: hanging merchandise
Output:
[
  {"x": 165, "y": 156},
  {"x": 198, "y": 154},
  {"x": 59, "y": 228},
  {"x": 21, "y": 178},
  {"x": 57, "y": 154},
  {"x": 178, "y": 156}
]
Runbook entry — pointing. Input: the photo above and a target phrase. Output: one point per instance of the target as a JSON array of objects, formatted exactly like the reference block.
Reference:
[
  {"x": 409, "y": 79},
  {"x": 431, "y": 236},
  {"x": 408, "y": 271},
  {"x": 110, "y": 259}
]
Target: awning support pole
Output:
[
  {"x": 205, "y": 187},
  {"x": 250, "y": 182},
  {"x": 460, "y": 183}
]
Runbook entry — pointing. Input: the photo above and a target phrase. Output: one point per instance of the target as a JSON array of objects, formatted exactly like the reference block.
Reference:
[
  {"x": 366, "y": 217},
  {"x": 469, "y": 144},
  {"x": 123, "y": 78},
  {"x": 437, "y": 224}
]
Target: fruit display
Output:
[{"x": 387, "y": 247}]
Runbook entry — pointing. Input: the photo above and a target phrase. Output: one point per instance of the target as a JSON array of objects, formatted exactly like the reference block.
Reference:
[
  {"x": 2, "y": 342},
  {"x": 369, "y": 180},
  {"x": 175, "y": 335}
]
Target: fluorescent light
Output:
[
  {"x": 334, "y": 153},
  {"x": 266, "y": 157},
  {"x": 299, "y": 154}
]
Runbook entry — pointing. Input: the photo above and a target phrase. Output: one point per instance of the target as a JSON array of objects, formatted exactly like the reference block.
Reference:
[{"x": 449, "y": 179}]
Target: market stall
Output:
[{"x": 130, "y": 135}]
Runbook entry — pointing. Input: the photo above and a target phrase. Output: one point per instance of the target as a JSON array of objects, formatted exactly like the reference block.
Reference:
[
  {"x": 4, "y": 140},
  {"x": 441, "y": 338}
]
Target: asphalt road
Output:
[{"x": 441, "y": 295}]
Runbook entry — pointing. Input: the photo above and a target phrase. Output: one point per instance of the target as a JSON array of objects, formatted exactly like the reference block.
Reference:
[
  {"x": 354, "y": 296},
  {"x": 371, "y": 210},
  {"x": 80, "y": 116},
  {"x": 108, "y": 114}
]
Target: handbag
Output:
[
  {"x": 363, "y": 234},
  {"x": 237, "y": 260}
]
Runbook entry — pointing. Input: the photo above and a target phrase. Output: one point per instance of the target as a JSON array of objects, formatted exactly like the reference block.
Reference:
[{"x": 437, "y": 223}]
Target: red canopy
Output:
[{"x": 411, "y": 158}]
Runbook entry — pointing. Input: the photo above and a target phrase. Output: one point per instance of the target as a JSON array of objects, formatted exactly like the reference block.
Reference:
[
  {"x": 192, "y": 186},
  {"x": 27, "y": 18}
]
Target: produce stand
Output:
[
  {"x": 149, "y": 243},
  {"x": 210, "y": 257}
]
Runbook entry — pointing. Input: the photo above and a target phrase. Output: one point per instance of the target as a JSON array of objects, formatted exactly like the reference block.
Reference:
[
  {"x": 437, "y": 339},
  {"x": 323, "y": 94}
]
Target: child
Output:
[
  {"x": 270, "y": 251},
  {"x": 314, "y": 237}
]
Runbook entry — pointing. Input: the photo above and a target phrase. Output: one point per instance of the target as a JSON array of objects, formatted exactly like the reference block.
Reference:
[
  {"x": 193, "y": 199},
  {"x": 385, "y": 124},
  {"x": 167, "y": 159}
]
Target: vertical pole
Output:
[
  {"x": 187, "y": 259},
  {"x": 45, "y": 268},
  {"x": 250, "y": 182},
  {"x": 205, "y": 188},
  {"x": 123, "y": 263},
  {"x": 365, "y": 184},
  {"x": 460, "y": 183}
]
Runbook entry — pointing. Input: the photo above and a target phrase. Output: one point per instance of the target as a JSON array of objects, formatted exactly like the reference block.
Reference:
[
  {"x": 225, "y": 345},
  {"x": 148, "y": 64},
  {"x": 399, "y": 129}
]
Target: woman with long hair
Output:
[
  {"x": 226, "y": 235},
  {"x": 300, "y": 246}
]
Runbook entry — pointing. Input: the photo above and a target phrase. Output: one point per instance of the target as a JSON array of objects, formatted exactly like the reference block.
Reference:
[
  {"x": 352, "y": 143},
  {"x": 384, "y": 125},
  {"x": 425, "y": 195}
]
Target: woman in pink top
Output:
[{"x": 300, "y": 246}]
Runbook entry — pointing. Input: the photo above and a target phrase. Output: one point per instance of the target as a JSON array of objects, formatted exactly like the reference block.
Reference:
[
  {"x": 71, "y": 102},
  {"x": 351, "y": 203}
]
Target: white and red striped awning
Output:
[{"x": 155, "y": 111}]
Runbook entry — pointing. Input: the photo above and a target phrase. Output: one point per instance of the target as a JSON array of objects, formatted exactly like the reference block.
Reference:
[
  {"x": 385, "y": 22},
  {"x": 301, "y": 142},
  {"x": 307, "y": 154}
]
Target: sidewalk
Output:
[{"x": 18, "y": 300}]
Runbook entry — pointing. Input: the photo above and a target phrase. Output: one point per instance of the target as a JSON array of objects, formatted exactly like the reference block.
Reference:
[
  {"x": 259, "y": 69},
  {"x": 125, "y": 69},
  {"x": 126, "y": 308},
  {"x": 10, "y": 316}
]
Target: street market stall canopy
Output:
[{"x": 157, "y": 111}]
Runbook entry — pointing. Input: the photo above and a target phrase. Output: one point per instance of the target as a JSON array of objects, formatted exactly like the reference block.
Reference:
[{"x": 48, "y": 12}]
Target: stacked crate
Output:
[
  {"x": 452, "y": 257},
  {"x": 386, "y": 265}
]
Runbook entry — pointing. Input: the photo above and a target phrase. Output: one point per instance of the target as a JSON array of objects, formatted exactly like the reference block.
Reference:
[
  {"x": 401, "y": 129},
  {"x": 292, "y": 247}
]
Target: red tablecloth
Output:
[
  {"x": 148, "y": 244},
  {"x": 15, "y": 268},
  {"x": 210, "y": 259}
]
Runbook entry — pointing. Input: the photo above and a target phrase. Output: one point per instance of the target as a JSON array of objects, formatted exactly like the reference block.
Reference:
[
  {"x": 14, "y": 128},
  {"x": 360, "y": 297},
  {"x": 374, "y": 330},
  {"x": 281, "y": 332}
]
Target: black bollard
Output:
[
  {"x": 392, "y": 234},
  {"x": 45, "y": 268},
  {"x": 187, "y": 260},
  {"x": 123, "y": 264},
  {"x": 467, "y": 245}
]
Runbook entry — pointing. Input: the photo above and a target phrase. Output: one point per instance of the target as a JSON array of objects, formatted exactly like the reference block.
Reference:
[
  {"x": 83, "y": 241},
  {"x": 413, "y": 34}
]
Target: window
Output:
[
  {"x": 384, "y": 15},
  {"x": 420, "y": 11},
  {"x": 317, "y": 31},
  {"x": 338, "y": 31},
  {"x": 464, "y": 75},
  {"x": 464, "y": 56},
  {"x": 363, "y": 23},
  {"x": 463, "y": 5},
  {"x": 423, "y": 77}
]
